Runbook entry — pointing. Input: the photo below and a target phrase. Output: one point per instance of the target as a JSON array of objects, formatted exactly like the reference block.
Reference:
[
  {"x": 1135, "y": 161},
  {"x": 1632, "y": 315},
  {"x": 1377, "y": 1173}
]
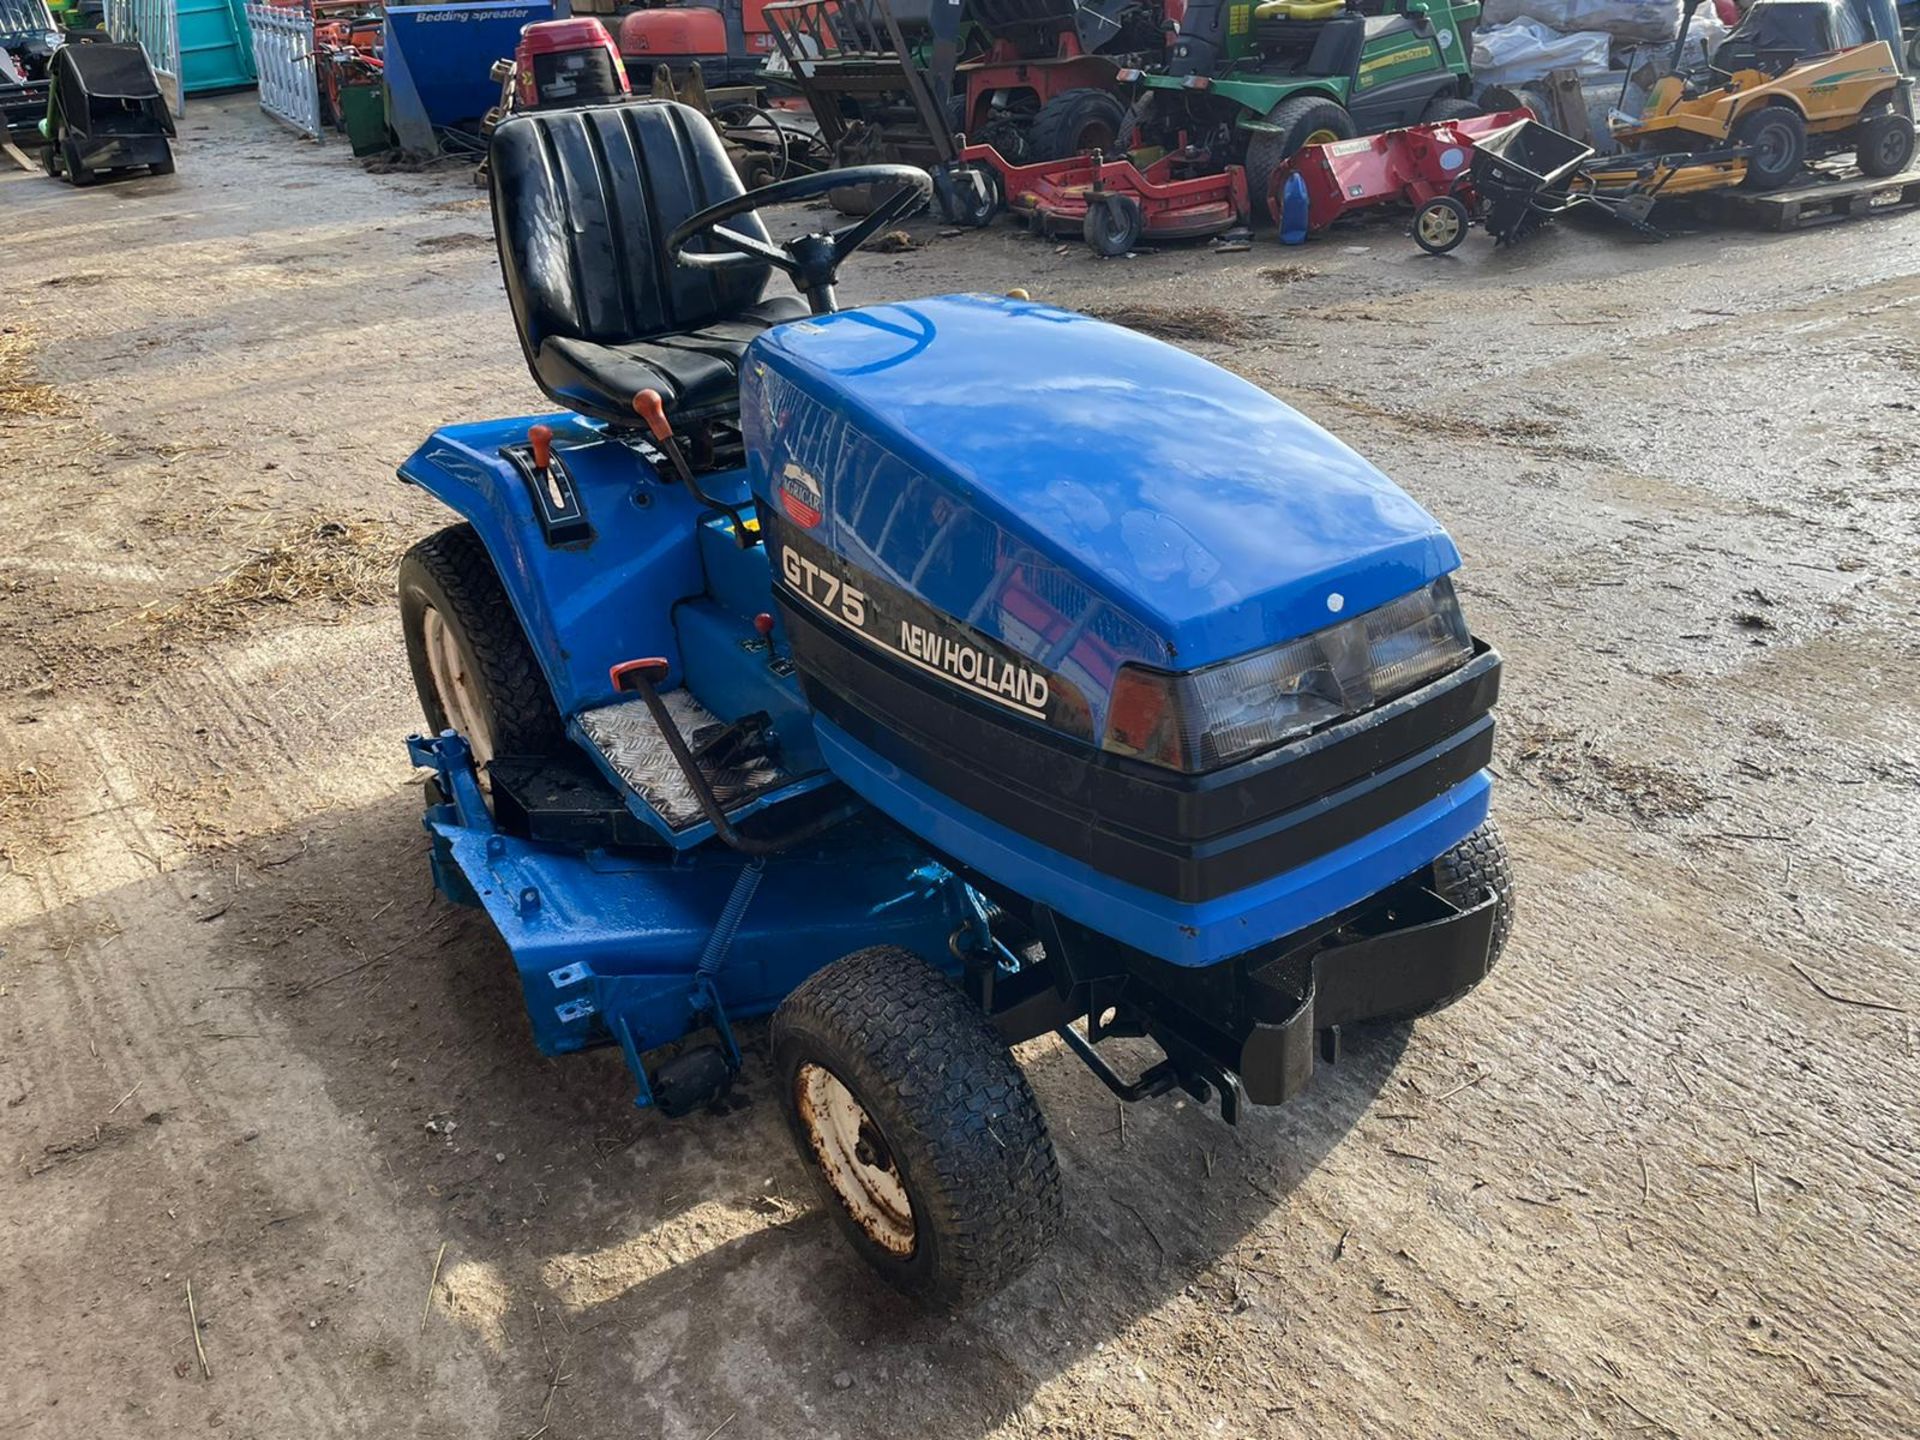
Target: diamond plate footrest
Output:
[{"x": 634, "y": 749}]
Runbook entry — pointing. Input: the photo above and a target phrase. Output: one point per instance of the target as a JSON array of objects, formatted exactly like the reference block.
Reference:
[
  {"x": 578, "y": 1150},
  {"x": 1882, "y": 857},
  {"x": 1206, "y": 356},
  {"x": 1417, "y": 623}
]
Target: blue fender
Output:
[{"x": 587, "y": 605}]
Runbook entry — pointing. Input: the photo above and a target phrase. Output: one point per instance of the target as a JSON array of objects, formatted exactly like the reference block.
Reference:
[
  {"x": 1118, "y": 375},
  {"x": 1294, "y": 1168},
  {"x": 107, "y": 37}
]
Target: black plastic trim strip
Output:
[{"x": 1192, "y": 838}]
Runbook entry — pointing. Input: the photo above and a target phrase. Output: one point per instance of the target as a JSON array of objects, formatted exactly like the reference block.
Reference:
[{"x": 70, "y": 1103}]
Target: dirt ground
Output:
[{"x": 1659, "y": 1177}]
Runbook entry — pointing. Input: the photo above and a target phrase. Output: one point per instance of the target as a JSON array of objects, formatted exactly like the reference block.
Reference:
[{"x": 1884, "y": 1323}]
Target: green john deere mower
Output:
[{"x": 1251, "y": 81}]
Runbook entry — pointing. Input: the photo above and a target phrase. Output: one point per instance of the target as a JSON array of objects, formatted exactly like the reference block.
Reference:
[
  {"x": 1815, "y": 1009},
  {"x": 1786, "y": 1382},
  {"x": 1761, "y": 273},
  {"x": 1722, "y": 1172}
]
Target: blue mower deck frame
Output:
[{"x": 803, "y": 666}]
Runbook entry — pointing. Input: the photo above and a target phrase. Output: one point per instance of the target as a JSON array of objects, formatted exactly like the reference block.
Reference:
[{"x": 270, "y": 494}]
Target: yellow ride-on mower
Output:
[{"x": 1793, "y": 81}]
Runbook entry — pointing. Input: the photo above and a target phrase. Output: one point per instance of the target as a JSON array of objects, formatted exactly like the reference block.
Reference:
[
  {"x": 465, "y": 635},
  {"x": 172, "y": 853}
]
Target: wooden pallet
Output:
[{"x": 1844, "y": 196}]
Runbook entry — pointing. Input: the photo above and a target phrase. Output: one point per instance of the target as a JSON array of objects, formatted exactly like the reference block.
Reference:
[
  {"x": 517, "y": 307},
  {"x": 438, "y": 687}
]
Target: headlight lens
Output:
[{"x": 1204, "y": 719}]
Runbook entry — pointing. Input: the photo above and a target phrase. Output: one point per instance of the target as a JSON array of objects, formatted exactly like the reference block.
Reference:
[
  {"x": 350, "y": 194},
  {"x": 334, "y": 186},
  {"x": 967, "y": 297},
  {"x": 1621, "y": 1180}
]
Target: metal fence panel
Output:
[
  {"x": 153, "y": 25},
  {"x": 283, "y": 54}
]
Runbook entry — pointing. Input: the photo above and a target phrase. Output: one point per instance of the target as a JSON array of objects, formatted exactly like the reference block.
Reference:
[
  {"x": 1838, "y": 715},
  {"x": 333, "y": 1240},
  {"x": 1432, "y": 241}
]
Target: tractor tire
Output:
[
  {"x": 1114, "y": 225},
  {"x": 1885, "y": 141},
  {"x": 1075, "y": 122},
  {"x": 463, "y": 637},
  {"x": 1779, "y": 139},
  {"x": 50, "y": 161},
  {"x": 1301, "y": 120},
  {"x": 1477, "y": 864},
  {"x": 78, "y": 173},
  {"x": 162, "y": 167},
  {"x": 1448, "y": 107},
  {"x": 921, "y": 1133},
  {"x": 956, "y": 115}
]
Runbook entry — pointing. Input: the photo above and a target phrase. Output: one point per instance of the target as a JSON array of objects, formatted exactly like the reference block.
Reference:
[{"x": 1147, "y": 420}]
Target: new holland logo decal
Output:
[
  {"x": 914, "y": 633},
  {"x": 801, "y": 497}
]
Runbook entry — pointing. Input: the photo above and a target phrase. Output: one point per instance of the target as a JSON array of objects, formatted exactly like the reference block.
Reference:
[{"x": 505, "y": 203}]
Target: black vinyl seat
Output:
[{"x": 583, "y": 203}]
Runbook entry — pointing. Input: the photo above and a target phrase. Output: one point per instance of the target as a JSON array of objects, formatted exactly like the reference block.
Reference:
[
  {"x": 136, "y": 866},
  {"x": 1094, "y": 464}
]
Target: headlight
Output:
[{"x": 1204, "y": 719}]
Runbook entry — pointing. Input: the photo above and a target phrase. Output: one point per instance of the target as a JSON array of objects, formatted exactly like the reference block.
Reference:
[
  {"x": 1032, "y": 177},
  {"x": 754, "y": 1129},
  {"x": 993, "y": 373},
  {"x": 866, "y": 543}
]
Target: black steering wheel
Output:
[{"x": 812, "y": 261}]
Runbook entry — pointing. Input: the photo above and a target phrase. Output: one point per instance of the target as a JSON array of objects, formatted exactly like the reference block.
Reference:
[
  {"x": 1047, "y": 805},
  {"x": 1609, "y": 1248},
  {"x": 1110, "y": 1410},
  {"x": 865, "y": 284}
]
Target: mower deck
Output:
[{"x": 1055, "y": 196}]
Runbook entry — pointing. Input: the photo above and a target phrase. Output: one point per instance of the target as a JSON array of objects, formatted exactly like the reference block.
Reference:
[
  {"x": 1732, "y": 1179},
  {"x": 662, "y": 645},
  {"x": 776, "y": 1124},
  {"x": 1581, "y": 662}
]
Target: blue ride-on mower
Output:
[{"x": 931, "y": 676}]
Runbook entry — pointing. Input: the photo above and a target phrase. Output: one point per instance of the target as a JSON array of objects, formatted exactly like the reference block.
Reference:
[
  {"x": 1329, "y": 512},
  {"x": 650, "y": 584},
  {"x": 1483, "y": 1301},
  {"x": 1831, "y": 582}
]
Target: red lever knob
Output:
[
  {"x": 648, "y": 406},
  {"x": 541, "y": 439},
  {"x": 763, "y": 622}
]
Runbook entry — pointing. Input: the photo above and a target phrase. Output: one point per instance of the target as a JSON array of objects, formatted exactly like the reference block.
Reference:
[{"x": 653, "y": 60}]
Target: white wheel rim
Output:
[
  {"x": 855, "y": 1158},
  {"x": 455, "y": 688}
]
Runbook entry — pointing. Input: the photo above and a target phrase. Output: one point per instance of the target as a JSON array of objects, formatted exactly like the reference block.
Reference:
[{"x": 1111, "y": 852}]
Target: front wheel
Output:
[
  {"x": 1463, "y": 877},
  {"x": 1885, "y": 144},
  {"x": 921, "y": 1133},
  {"x": 1441, "y": 224},
  {"x": 1449, "y": 107},
  {"x": 1302, "y": 120},
  {"x": 969, "y": 196},
  {"x": 1114, "y": 225}
]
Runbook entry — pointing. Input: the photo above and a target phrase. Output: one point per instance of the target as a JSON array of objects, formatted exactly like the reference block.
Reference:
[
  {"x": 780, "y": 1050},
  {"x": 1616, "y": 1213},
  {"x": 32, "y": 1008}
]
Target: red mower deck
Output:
[{"x": 1114, "y": 204}]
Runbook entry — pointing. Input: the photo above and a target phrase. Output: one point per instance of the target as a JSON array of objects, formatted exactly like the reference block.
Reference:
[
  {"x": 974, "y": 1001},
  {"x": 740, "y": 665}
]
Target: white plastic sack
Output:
[
  {"x": 1622, "y": 19},
  {"x": 1525, "y": 50}
]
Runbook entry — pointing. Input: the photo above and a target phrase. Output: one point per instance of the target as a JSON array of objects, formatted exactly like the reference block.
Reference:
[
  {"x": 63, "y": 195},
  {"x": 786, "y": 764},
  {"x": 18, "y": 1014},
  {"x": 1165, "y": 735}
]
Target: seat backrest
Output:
[{"x": 583, "y": 203}]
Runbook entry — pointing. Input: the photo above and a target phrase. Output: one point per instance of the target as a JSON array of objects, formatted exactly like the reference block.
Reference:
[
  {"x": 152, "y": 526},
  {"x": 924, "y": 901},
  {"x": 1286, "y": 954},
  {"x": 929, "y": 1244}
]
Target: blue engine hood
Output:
[{"x": 1185, "y": 498}]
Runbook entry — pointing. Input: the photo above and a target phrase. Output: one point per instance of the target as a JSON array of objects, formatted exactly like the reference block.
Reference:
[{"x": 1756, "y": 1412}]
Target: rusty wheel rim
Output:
[
  {"x": 855, "y": 1158},
  {"x": 453, "y": 685}
]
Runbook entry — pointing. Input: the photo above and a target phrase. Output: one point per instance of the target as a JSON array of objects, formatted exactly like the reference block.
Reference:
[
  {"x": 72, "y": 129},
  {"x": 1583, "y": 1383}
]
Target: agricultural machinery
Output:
[
  {"x": 1033, "y": 78},
  {"x": 1794, "y": 80},
  {"x": 796, "y": 666},
  {"x": 1251, "y": 81}
]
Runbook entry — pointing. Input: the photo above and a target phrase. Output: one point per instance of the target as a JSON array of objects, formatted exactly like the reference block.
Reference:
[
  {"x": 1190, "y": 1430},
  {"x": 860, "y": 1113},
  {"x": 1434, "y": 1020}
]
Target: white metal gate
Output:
[
  {"x": 153, "y": 25},
  {"x": 283, "y": 54}
]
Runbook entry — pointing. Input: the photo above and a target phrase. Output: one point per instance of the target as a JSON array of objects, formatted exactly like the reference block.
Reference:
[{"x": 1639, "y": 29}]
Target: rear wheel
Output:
[
  {"x": 1075, "y": 122},
  {"x": 76, "y": 171},
  {"x": 162, "y": 167},
  {"x": 472, "y": 666},
  {"x": 1113, "y": 226},
  {"x": 920, "y": 1131},
  {"x": 1302, "y": 120},
  {"x": 1778, "y": 138},
  {"x": 1463, "y": 876},
  {"x": 1885, "y": 143}
]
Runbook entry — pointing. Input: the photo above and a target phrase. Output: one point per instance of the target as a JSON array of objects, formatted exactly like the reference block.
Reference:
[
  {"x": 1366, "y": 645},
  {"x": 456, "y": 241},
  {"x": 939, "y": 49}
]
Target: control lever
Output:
[{"x": 649, "y": 407}]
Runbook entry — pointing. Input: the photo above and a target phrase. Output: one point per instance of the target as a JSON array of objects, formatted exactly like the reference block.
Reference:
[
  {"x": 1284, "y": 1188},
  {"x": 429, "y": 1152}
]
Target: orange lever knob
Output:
[
  {"x": 540, "y": 437},
  {"x": 648, "y": 406}
]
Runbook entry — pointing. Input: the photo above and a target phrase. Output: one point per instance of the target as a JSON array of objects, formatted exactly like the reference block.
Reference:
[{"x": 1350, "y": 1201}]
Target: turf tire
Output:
[
  {"x": 1780, "y": 138},
  {"x": 1884, "y": 144},
  {"x": 1113, "y": 226},
  {"x": 1449, "y": 107},
  {"x": 1295, "y": 120},
  {"x": 1075, "y": 122},
  {"x": 1465, "y": 873},
  {"x": 966, "y": 1136},
  {"x": 451, "y": 572}
]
